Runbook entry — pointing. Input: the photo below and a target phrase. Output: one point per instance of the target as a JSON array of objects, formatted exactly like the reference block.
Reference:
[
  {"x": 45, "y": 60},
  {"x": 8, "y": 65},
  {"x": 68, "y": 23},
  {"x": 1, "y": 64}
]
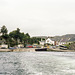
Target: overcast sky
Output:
[{"x": 39, "y": 17}]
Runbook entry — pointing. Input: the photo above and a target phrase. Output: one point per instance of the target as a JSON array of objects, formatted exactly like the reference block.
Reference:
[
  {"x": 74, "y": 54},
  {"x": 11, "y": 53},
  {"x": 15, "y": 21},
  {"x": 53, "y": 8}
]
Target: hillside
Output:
[{"x": 65, "y": 38}]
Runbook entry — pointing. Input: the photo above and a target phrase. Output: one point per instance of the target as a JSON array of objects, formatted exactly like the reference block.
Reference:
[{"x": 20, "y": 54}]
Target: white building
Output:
[
  {"x": 3, "y": 46},
  {"x": 62, "y": 43},
  {"x": 20, "y": 45},
  {"x": 42, "y": 42},
  {"x": 47, "y": 41}
]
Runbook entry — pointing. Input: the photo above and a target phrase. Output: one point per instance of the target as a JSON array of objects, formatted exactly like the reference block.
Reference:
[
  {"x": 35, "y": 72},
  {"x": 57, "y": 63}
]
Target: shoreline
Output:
[
  {"x": 18, "y": 50},
  {"x": 59, "y": 50},
  {"x": 33, "y": 50}
]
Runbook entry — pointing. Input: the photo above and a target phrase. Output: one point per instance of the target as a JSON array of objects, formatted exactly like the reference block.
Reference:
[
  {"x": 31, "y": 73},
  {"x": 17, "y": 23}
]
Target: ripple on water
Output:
[{"x": 37, "y": 63}]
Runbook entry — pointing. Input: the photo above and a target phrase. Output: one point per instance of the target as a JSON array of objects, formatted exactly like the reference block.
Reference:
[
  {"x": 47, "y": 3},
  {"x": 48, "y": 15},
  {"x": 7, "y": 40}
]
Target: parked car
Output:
[
  {"x": 34, "y": 46},
  {"x": 29, "y": 46},
  {"x": 12, "y": 48}
]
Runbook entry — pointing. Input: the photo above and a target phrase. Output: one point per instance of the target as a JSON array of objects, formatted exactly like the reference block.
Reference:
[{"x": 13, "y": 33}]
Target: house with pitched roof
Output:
[{"x": 46, "y": 41}]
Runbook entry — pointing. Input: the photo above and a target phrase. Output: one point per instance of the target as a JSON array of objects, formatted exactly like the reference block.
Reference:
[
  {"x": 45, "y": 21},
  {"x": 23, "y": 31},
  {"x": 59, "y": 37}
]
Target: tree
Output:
[
  {"x": 4, "y": 30},
  {"x": 27, "y": 38},
  {"x": 6, "y": 37},
  {"x": 15, "y": 35},
  {"x": 11, "y": 42},
  {"x": 21, "y": 37},
  {"x": 34, "y": 40},
  {"x": 27, "y": 35}
]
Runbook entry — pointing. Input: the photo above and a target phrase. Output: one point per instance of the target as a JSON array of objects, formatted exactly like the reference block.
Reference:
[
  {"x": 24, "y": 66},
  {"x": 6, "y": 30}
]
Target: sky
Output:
[{"x": 39, "y": 17}]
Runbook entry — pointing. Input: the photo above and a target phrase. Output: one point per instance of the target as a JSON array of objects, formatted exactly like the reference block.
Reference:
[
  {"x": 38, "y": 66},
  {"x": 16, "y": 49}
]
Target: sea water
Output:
[{"x": 37, "y": 63}]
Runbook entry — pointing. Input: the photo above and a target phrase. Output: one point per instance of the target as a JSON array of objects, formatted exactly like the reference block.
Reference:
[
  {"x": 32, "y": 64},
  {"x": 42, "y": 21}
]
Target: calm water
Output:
[{"x": 37, "y": 63}]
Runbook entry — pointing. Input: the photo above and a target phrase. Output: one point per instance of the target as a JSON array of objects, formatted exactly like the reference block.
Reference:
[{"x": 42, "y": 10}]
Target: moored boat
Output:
[{"x": 41, "y": 49}]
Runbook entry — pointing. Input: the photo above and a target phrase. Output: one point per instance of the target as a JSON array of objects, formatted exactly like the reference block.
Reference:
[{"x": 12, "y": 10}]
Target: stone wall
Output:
[{"x": 25, "y": 49}]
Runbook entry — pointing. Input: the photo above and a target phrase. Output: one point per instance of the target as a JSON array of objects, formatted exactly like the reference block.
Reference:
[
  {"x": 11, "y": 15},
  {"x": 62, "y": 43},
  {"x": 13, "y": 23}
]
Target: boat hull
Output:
[{"x": 41, "y": 49}]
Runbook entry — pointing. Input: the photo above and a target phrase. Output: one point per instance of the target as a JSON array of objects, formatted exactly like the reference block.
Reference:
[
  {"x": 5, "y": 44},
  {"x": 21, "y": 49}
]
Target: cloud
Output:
[{"x": 38, "y": 17}]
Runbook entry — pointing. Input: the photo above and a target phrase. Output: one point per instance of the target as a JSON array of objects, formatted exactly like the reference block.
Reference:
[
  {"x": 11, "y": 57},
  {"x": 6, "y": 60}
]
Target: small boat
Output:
[{"x": 41, "y": 49}]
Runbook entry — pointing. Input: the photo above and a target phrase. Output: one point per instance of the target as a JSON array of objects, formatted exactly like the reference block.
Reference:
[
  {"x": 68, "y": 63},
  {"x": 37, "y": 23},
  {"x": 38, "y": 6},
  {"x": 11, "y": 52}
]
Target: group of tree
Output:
[{"x": 16, "y": 37}]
